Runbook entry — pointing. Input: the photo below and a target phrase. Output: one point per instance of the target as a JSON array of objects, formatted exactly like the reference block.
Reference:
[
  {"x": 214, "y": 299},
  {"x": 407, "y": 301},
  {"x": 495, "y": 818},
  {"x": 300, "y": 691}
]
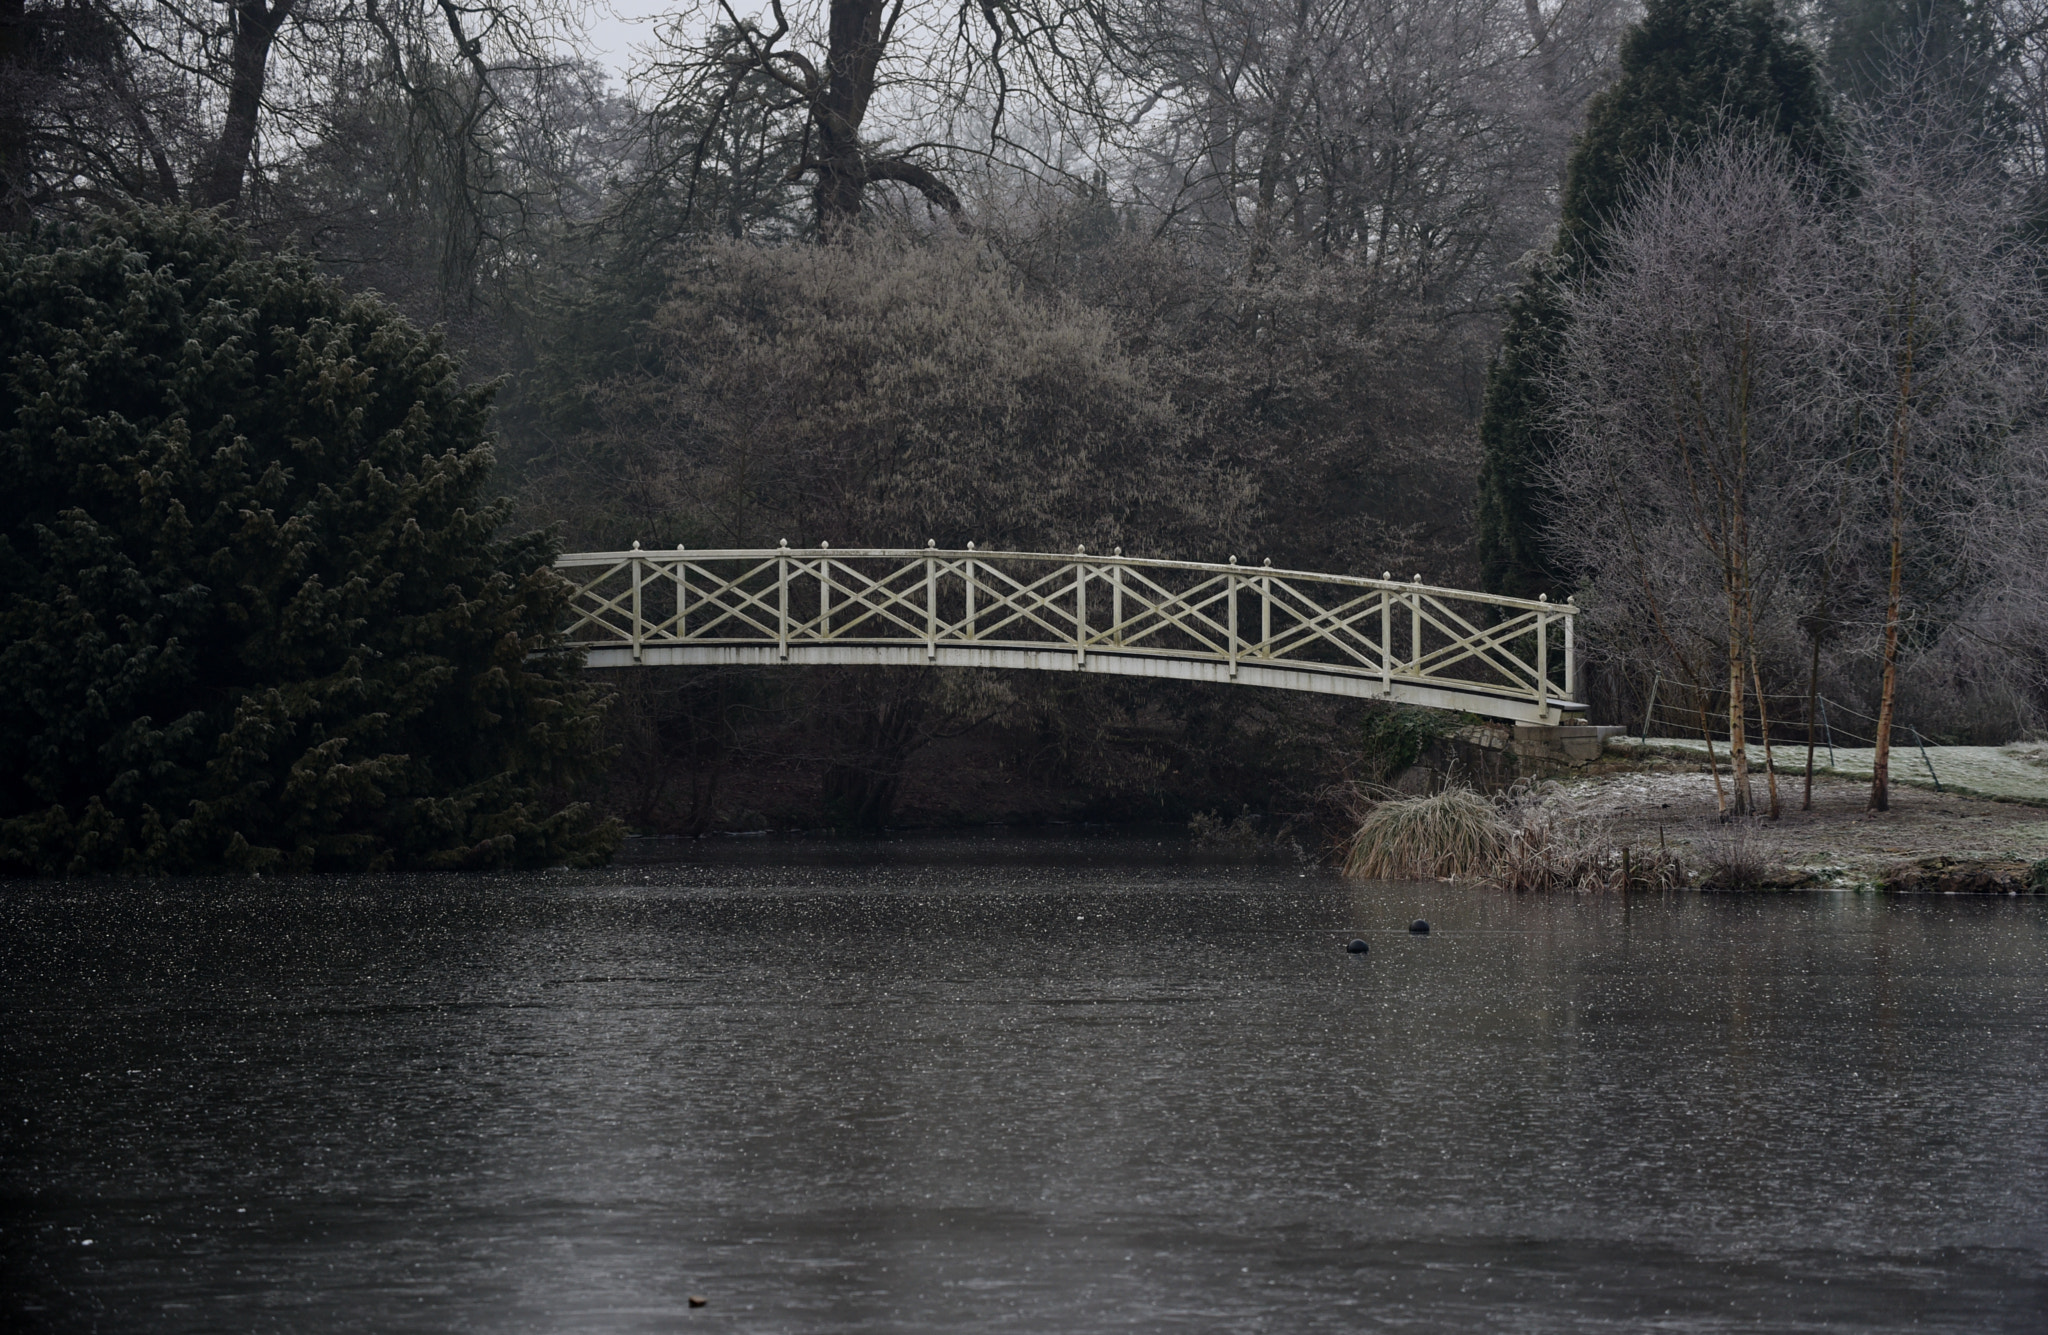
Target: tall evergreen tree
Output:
[
  {"x": 1688, "y": 68},
  {"x": 1875, "y": 46},
  {"x": 255, "y": 611}
]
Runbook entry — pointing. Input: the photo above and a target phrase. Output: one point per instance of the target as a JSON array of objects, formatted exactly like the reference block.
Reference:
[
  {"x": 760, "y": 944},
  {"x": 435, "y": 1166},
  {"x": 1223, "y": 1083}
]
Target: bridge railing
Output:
[{"x": 1508, "y": 657}]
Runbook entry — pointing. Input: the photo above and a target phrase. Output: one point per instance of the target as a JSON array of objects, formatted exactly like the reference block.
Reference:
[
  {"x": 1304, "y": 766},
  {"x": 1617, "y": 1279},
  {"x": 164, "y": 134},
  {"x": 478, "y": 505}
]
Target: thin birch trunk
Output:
[
  {"x": 1738, "y": 754},
  {"x": 1713, "y": 765},
  {"x": 1763, "y": 726},
  {"x": 1812, "y": 698},
  {"x": 1880, "y": 764}
]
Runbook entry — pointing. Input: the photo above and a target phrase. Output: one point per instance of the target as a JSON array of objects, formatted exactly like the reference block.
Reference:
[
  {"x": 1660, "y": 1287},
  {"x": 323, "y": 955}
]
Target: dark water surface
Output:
[{"x": 1004, "y": 1083}]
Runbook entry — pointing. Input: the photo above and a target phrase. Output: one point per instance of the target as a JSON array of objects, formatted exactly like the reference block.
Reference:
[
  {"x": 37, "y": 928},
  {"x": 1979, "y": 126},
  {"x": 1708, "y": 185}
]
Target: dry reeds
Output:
[
  {"x": 1459, "y": 833},
  {"x": 1736, "y": 859},
  {"x": 1543, "y": 857},
  {"x": 1453, "y": 833}
]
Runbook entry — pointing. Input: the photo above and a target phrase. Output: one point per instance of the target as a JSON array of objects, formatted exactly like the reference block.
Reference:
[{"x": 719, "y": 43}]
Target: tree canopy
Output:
[
  {"x": 257, "y": 612},
  {"x": 1688, "y": 68}
]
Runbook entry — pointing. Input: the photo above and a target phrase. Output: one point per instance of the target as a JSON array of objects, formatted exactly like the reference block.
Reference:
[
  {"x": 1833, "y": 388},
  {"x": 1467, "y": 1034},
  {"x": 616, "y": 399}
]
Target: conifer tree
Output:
[
  {"x": 1688, "y": 68},
  {"x": 255, "y": 610},
  {"x": 1878, "y": 49}
]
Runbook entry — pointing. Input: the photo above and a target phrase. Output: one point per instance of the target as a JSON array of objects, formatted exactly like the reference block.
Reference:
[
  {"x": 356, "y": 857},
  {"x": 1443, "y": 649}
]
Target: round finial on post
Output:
[
  {"x": 1542, "y": 597},
  {"x": 930, "y": 543},
  {"x": 1269, "y": 563},
  {"x": 681, "y": 548},
  {"x": 1572, "y": 598},
  {"x": 1233, "y": 558},
  {"x": 824, "y": 546},
  {"x": 636, "y": 544},
  {"x": 785, "y": 544},
  {"x": 1080, "y": 549},
  {"x": 970, "y": 546},
  {"x": 1119, "y": 551},
  {"x": 1418, "y": 577},
  {"x": 1386, "y": 574}
]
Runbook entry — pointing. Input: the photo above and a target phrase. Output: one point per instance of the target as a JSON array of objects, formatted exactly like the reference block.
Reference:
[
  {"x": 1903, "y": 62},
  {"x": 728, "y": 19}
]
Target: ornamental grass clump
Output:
[{"x": 1453, "y": 833}]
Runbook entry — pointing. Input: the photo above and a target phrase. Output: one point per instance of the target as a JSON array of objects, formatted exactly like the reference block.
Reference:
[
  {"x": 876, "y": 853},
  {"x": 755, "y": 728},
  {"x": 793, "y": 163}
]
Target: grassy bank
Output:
[{"x": 2015, "y": 773}]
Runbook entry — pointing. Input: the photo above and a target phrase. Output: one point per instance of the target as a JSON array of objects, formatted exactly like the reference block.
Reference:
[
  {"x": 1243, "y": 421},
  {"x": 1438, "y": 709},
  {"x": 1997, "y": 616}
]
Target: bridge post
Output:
[
  {"x": 973, "y": 627},
  {"x": 1571, "y": 663},
  {"x": 931, "y": 607},
  {"x": 639, "y": 626},
  {"x": 1543, "y": 660},
  {"x": 1386, "y": 635},
  {"x": 1116, "y": 603},
  {"x": 1266, "y": 613},
  {"x": 1230, "y": 583},
  {"x": 1415, "y": 628},
  {"x": 1080, "y": 612},
  {"x": 782, "y": 600}
]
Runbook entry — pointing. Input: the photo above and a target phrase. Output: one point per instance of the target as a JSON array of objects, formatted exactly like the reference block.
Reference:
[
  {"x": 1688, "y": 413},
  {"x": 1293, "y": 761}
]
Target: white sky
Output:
[{"x": 617, "y": 26}]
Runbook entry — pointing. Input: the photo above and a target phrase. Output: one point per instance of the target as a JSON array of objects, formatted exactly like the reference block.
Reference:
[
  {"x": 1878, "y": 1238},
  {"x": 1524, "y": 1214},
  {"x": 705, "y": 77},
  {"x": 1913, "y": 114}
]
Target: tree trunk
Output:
[
  {"x": 1763, "y": 725},
  {"x": 255, "y": 30},
  {"x": 14, "y": 116},
  {"x": 1881, "y": 758},
  {"x": 1279, "y": 129},
  {"x": 854, "y": 49},
  {"x": 1812, "y": 695},
  {"x": 1706, "y": 735},
  {"x": 1738, "y": 663},
  {"x": 1546, "y": 49}
]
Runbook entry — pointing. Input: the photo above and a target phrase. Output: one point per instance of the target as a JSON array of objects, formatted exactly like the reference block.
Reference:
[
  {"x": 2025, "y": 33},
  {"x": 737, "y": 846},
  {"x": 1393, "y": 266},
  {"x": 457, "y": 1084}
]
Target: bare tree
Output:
[
  {"x": 1947, "y": 327},
  {"x": 196, "y": 102},
  {"x": 1417, "y": 139},
  {"x": 1701, "y": 396},
  {"x": 958, "y": 77}
]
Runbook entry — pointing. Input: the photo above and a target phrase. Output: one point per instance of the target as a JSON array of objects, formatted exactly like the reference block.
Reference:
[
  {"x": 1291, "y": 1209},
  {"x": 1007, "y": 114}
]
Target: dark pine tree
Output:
[
  {"x": 1690, "y": 67},
  {"x": 256, "y": 610},
  {"x": 1880, "y": 49}
]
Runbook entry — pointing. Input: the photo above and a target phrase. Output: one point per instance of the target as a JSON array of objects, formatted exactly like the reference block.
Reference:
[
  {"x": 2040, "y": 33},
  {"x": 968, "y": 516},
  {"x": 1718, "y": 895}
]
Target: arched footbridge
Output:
[{"x": 1383, "y": 639}]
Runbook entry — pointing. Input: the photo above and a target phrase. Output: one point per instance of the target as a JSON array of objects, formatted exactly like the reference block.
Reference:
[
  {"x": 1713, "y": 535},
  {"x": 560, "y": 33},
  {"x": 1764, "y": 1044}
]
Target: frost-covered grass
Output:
[{"x": 2015, "y": 773}]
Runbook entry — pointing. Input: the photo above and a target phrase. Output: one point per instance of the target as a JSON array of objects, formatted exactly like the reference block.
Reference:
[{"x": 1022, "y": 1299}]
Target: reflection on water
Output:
[{"x": 1007, "y": 1083}]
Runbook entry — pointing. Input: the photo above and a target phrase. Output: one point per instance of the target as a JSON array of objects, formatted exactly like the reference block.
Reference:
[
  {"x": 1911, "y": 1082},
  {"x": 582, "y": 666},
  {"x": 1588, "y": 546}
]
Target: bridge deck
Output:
[{"x": 1505, "y": 658}]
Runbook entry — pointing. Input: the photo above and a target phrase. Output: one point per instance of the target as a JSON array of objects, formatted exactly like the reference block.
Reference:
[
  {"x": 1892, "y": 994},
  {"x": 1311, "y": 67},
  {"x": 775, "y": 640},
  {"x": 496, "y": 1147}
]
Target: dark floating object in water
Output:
[
  {"x": 1420, "y": 927},
  {"x": 1357, "y": 947},
  {"x": 698, "y": 1300}
]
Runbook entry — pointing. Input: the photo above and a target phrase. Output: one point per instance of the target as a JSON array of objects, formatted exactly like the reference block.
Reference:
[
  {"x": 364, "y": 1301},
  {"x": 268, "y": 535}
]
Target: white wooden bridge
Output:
[{"x": 1505, "y": 658}]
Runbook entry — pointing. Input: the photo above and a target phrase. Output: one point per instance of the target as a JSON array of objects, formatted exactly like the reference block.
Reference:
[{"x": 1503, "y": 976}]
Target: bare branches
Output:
[
  {"x": 1701, "y": 389},
  {"x": 1827, "y": 409},
  {"x": 1948, "y": 315},
  {"x": 956, "y": 79},
  {"x": 920, "y": 178},
  {"x": 225, "y": 104}
]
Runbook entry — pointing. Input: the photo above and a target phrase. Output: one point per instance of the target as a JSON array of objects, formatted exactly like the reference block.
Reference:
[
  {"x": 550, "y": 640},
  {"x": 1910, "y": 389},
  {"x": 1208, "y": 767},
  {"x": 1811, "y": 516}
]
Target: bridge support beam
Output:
[{"x": 1103, "y": 662}]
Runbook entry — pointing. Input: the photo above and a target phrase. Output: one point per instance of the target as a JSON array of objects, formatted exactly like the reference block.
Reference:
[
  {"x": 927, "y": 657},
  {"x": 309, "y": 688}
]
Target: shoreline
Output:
[{"x": 1941, "y": 842}]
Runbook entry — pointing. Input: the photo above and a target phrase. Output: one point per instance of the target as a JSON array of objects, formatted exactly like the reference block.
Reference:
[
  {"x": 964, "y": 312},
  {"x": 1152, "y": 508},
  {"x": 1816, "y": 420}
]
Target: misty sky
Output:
[{"x": 617, "y": 26}]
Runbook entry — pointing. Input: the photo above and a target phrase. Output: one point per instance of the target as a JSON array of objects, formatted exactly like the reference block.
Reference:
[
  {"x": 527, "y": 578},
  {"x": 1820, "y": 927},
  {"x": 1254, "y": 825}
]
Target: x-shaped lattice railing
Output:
[{"x": 1293, "y": 626}]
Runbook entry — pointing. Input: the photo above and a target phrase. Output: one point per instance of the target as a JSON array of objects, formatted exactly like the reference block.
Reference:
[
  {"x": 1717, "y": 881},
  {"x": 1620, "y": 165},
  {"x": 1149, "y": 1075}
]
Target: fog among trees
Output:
[{"x": 1722, "y": 314}]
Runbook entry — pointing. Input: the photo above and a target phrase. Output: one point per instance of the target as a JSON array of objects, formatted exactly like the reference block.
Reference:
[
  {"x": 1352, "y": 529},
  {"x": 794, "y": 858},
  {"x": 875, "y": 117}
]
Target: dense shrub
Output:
[{"x": 256, "y": 612}]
